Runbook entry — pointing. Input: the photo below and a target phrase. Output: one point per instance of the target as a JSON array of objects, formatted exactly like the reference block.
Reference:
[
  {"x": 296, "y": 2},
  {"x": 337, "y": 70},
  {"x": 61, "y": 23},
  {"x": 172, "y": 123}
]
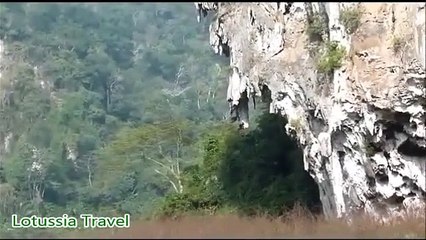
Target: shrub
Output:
[
  {"x": 180, "y": 204},
  {"x": 350, "y": 19},
  {"x": 176, "y": 204},
  {"x": 296, "y": 124},
  {"x": 369, "y": 150},
  {"x": 397, "y": 44},
  {"x": 316, "y": 28},
  {"x": 332, "y": 58}
]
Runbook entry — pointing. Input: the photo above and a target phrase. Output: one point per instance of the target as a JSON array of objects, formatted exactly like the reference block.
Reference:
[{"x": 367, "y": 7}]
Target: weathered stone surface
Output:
[{"x": 362, "y": 129}]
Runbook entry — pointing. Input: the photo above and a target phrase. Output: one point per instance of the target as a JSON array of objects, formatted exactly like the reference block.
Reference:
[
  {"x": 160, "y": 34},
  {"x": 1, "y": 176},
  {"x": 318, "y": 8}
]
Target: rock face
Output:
[{"x": 361, "y": 126}]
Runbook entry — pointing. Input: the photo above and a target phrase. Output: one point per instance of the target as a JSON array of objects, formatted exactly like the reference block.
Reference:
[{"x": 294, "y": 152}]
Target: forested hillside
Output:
[{"x": 120, "y": 108}]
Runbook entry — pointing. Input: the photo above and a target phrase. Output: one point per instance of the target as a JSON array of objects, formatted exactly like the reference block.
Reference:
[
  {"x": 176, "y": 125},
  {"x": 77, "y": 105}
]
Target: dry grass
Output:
[{"x": 296, "y": 224}]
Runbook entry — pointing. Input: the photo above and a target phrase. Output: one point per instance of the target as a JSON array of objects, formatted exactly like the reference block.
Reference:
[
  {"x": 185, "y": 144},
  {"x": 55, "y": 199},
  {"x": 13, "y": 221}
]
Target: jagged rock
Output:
[{"x": 362, "y": 128}]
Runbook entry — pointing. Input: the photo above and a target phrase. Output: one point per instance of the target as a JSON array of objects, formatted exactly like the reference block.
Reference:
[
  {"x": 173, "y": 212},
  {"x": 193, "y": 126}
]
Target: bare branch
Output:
[
  {"x": 168, "y": 178},
  {"x": 159, "y": 163},
  {"x": 160, "y": 150},
  {"x": 89, "y": 170},
  {"x": 177, "y": 91}
]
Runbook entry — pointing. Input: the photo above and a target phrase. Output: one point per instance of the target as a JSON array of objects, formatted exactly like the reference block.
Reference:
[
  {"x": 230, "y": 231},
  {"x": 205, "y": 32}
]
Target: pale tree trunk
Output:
[
  {"x": 171, "y": 170},
  {"x": 209, "y": 94},
  {"x": 177, "y": 164},
  {"x": 172, "y": 174},
  {"x": 89, "y": 170},
  {"x": 199, "y": 93}
]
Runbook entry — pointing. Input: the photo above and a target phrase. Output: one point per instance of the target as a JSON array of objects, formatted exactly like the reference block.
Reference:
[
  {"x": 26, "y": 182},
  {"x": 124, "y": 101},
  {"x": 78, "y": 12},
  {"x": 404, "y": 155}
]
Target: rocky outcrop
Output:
[{"x": 362, "y": 125}]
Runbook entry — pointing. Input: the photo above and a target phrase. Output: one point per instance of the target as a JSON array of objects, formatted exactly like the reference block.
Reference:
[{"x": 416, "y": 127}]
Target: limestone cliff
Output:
[{"x": 362, "y": 124}]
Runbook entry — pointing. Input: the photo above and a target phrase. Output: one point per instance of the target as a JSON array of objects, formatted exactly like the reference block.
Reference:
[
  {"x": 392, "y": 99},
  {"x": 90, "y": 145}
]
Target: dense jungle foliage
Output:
[{"x": 120, "y": 108}]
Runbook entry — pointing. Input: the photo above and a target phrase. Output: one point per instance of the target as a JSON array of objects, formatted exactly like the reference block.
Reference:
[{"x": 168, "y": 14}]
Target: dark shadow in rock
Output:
[
  {"x": 262, "y": 171},
  {"x": 409, "y": 148}
]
